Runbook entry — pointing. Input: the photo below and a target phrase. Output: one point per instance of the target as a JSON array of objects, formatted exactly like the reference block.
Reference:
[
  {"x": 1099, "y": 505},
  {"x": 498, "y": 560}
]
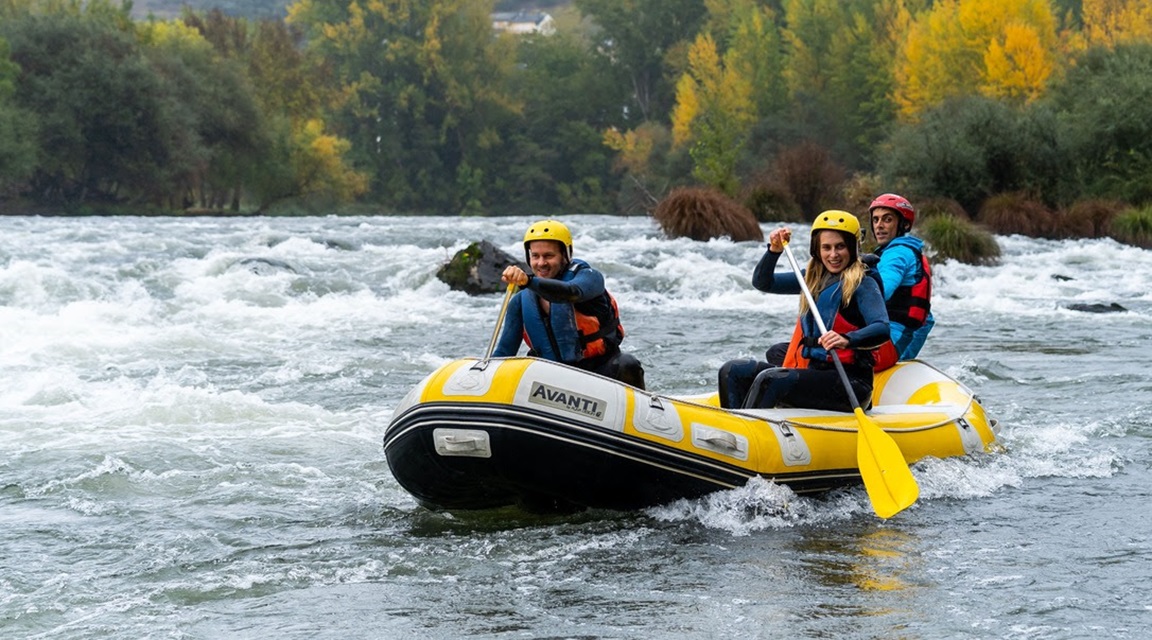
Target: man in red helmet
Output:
[{"x": 905, "y": 274}]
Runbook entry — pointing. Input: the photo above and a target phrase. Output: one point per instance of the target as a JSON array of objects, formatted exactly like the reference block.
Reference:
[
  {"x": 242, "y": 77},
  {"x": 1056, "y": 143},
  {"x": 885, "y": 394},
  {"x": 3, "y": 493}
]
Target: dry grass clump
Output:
[
  {"x": 1087, "y": 218},
  {"x": 702, "y": 214},
  {"x": 1009, "y": 213}
]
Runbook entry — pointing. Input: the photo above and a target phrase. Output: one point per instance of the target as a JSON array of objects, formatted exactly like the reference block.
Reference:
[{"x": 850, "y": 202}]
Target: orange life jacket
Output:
[{"x": 595, "y": 338}]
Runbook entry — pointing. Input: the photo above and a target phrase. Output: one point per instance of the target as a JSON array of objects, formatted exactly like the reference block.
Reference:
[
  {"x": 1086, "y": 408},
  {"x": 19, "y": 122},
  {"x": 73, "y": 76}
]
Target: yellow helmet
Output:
[
  {"x": 838, "y": 221},
  {"x": 549, "y": 230}
]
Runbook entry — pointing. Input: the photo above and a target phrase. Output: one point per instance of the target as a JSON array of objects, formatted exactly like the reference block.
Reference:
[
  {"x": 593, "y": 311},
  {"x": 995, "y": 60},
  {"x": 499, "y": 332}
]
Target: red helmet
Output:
[{"x": 899, "y": 204}]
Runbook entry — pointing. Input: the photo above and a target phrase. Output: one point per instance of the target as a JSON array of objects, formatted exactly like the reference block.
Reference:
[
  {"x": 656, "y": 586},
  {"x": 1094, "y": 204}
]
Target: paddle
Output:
[
  {"x": 499, "y": 322},
  {"x": 886, "y": 475}
]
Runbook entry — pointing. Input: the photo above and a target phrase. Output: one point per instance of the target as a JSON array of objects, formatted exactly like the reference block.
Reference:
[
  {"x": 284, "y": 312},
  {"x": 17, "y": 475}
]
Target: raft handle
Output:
[
  {"x": 469, "y": 443},
  {"x": 721, "y": 440}
]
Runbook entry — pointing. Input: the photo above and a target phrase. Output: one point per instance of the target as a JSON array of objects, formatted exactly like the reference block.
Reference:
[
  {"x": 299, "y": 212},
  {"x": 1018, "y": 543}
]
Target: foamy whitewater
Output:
[{"x": 192, "y": 415}]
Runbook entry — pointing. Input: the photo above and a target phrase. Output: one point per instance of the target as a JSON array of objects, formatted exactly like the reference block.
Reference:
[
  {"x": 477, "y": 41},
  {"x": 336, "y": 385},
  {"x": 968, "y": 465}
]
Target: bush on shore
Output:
[
  {"x": 1133, "y": 227},
  {"x": 704, "y": 213},
  {"x": 956, "y": 238},
  {"x": 1087, "y": 218},
  {"x": 1009, "y": 213}
]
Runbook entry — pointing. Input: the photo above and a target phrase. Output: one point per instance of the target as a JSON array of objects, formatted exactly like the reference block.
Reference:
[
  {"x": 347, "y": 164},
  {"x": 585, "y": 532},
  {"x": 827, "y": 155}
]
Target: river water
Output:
[{"x": 192, "y": 415}]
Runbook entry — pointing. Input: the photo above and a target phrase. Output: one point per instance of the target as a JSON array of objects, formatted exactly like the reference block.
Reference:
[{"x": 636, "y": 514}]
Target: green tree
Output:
[
  {"x": 554, "y": 156},
  {"x": 302, "y": 160},
  {"x": 839, "y": 69},
  {"x": 714, "y": 114},
  {"x": 220, "y": 129},
  {"x": 647, "y": 41},
  {"x": 420, "y": 84},
  {"x": 97, "y": 101},
  {"x": 748, "y": 36},
  {"x": 17, "y": 130},
  {"x": 1104, "y": 107},
  {"x": 970, "y": 148}
]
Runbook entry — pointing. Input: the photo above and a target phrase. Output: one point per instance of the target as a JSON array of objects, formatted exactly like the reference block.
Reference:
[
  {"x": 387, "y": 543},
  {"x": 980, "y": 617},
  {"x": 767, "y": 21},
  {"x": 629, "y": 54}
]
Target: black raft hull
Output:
[{"x": 546, "y": 437}]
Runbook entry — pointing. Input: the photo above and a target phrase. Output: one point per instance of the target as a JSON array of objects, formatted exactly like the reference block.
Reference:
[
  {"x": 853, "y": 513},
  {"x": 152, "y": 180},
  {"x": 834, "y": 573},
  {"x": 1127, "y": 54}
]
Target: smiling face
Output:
[
  {"x": 835, "y": 254},
  {"x": 885, "y": 224},
  {"x": 546, "y": 257}
]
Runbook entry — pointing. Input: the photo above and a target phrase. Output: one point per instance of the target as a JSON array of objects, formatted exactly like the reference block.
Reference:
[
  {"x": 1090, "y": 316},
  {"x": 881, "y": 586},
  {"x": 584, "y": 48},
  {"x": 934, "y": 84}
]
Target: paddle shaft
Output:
[
  {"x": 821, "y": 326},
  {"x": 499, "y": 321},
  {"x": 887, "y": 478}
]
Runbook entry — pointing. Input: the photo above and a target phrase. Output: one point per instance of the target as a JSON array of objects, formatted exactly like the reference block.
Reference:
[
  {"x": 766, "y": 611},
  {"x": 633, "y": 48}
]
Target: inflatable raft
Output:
[{"x": 548, "y": 437}]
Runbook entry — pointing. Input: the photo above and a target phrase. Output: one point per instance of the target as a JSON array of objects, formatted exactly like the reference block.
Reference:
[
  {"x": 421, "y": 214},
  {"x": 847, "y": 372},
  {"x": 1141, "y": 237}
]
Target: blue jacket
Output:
[{"x": 899, "y": 268}]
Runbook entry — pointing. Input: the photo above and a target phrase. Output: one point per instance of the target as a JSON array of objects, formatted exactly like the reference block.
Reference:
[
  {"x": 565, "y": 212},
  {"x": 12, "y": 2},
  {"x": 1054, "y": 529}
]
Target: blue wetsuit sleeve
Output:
[
  {"x": 588, "y": 283},
  {"x": 513, "y": 331},
  {"x": 871, "y": 305},
  {"x": 765, "y": 277},
  {"x": 895, "y": 265}
]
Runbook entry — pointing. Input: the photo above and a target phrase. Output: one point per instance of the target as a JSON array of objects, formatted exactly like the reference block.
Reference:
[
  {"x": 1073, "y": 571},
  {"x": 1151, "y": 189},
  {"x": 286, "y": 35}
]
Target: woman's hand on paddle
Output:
[
  {"x": 514, "y": 275},
  {"x": 833, "y": 340},
  {"x": 778, "y": 238}
]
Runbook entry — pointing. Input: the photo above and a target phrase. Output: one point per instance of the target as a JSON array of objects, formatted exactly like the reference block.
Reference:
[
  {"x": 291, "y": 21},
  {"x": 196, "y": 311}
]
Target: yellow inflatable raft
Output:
[{"x": 545, "y": 436}]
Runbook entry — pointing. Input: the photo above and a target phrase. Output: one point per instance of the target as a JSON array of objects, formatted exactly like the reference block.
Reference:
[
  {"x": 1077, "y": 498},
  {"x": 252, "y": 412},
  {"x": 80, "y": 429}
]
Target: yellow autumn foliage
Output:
[
  {"x": 320, "y": 167},
  {"x": 634, "y": 148},
  {"x": 1112, "y": 22},
  {"x": 1018, "y": 66},
  {"x": 1002, "y": 48},
  {"x": 171, "y": 32}
]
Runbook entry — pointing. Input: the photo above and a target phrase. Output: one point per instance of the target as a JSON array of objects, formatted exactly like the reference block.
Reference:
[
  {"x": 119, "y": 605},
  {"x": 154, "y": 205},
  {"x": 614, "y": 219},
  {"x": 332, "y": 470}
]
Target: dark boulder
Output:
[
  {"x": 476, "y": 269},
  {"x": 263, "y": 266},
  {"x": 1097, "y": 308}
]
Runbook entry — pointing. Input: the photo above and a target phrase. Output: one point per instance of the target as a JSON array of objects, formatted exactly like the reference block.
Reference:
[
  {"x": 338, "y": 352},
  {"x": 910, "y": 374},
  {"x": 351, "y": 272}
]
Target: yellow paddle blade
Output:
[{"x": 889, "y": 481}]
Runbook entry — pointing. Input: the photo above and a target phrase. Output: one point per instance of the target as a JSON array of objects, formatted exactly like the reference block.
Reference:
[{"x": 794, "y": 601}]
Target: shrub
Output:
[
  {"x": 1009, "y": 213},
  {"x": 930, "y": 207},
  {"x": 705, "y": 213},
  {"x": 810, "y": 176},
  {"x": 1087, "y": 218},
  {"x": 952, "y": 237},
  {"x": 970, "y": 148},
  {"x": 769, "y": 201},
  {"x": 860, "y": 190},
  {"x": 1104, "y": 102},
  {"x": 1133, "y": 227}
]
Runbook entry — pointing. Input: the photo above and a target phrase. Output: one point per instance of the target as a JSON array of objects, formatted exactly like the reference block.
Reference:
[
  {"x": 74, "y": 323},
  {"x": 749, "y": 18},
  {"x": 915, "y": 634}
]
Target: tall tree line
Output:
[{"x": 416, "y": 106}]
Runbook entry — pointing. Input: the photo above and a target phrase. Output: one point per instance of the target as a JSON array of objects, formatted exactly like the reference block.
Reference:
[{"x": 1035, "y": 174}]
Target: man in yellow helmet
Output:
[
  {"x": 852, "y": 308},
  {"x": 563, "y": 312}
]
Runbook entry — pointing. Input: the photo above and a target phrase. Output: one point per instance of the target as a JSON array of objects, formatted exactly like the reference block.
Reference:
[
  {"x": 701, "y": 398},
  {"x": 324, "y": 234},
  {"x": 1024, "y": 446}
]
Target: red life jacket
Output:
[{"x": 910, "y": 304}]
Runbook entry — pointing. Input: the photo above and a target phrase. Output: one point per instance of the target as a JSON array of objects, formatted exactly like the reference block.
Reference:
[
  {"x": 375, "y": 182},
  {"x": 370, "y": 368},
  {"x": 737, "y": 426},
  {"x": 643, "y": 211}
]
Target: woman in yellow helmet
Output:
[
  {"x": 849, "y": 302},
  {"x": 563, "y": 312}
]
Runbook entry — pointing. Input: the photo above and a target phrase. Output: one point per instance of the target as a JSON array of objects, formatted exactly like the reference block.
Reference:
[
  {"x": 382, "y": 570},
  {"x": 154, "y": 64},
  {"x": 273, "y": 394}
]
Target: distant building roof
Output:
[{"x": 524, "y": 22}]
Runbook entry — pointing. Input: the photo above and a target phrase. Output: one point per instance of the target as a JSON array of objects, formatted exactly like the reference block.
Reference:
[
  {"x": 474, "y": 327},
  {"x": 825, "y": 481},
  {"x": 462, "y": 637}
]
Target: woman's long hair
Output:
[{"x": 817, "y": 277}]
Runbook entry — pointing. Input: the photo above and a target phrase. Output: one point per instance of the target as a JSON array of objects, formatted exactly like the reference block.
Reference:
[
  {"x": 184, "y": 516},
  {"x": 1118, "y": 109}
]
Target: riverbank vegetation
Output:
[{"x": 1016, "y": 111}]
